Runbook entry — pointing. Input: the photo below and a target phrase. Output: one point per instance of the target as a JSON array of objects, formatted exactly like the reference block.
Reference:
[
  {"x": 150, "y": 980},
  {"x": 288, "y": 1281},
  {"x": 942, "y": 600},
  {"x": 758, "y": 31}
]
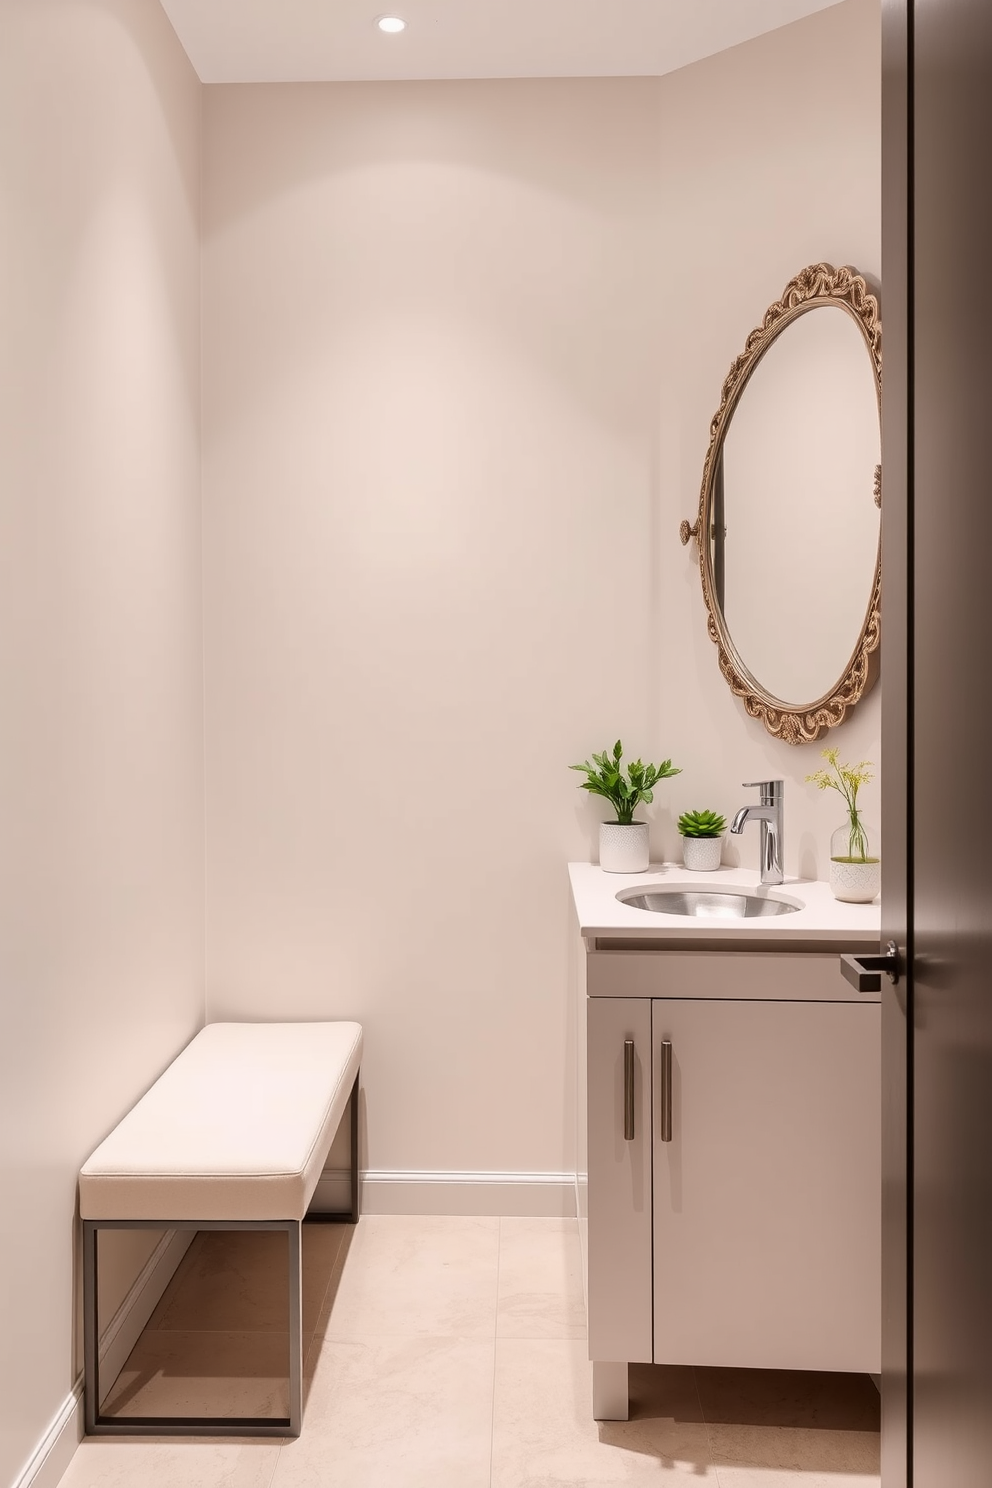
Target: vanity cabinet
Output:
[{"x": 734, "y": 1173}]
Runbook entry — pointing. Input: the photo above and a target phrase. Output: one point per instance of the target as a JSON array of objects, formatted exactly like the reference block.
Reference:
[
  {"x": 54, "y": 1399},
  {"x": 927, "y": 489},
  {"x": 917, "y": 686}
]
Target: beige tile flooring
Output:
[{"x": 450, "y": 1353}]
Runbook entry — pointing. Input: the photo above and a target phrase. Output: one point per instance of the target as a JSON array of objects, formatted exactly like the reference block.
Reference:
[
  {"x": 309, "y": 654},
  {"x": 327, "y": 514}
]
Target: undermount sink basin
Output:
[{"x": 707, "y": 904}]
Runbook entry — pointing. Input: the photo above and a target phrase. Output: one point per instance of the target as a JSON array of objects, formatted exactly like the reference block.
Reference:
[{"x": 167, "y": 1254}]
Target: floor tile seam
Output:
[
  {"x": 714, "y": 1455},
  {"x": 496, "y": 1273},
  {"x": 438, "y": 1336},
  {"x": 371, "y": 1338},
  {"x": 223, "y": 1333},
  {"x": 276, "y": 1459},
  {"x": 549, "y": 1336},
  {"x": 492, "y": 1396},
  {"x": 333, "y": 1279},
  {"x": 710, "y": 1438},
  {"x": 337, "y": 1266},
  {"x": 699, "y": 1395}
]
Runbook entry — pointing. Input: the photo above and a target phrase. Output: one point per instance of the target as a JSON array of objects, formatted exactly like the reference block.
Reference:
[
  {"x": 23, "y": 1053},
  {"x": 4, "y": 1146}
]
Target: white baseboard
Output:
[
  {"x": 125, "y": 1327},
  {"x": 53, "y": 1453},
  {"x": 549, "y": 1195}
]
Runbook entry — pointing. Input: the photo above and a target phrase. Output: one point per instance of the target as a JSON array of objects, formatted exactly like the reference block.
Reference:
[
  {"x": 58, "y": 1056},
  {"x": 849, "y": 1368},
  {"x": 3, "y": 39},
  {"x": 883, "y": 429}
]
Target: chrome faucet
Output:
[{"x": 769, "y": 814}]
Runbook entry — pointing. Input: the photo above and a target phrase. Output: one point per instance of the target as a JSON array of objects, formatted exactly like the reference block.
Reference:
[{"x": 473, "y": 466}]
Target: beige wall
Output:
[
  {"x": 101, "y": 885},
  {"x": 431, "y": 350},
  {"x": 772, "y": 163},
  {"x": 462, "y": 343}
]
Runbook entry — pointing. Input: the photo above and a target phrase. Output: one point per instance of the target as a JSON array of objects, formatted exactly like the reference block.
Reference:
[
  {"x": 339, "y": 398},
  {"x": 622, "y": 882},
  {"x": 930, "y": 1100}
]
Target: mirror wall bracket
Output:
[{"x": 686, "y": 532}]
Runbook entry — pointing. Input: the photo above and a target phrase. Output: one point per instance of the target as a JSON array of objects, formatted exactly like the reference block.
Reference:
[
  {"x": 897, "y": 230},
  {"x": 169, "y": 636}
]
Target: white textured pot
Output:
[
  {"x": 702, "y": 854},
  {"x": 624, "y": 848},
  {"x": 855, "y": 862},
  {"x": 856, "y": 883}
]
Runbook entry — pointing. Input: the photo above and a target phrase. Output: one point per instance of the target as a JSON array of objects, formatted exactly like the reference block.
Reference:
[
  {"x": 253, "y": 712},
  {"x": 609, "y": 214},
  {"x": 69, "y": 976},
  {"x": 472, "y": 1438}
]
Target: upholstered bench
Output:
[{"x": 232, "y": 1136}]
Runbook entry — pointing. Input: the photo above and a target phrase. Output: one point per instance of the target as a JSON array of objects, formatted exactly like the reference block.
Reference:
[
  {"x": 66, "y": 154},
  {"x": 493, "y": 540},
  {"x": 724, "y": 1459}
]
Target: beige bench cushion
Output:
[{"x": 238, "y": 1127}]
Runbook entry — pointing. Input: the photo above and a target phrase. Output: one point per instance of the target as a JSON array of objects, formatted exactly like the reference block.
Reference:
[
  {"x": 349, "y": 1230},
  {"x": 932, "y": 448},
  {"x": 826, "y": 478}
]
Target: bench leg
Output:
[
  {"x": 353, "y": 1111},
  {"x": 97, "y": 1424},
  {"x": 294, "y": 1240},
  {"x": 91, "y": 1331},
  {"x": 352, "y": 1214}
]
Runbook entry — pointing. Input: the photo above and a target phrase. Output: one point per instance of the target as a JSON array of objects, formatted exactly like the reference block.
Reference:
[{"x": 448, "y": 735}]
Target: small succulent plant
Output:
[
  {"x": 701, "y": 824},
  {"x": 623, "y": 789}
]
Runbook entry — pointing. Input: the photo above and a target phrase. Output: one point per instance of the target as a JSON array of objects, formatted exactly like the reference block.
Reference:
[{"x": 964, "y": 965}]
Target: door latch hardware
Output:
[{"x": 865, "y": 972}]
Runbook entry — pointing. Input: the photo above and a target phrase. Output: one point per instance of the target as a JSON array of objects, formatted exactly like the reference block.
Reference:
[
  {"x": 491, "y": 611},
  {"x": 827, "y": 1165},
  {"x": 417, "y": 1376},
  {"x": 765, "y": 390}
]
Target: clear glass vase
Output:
[{"x": 855, "y": 861}]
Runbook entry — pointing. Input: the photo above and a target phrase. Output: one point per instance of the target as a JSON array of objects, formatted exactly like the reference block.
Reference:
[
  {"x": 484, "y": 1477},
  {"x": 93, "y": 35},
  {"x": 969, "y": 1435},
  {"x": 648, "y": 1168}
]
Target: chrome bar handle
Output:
[
  {"x": 666, "y": 1090},
  {"x": 628, "y": 1090}
]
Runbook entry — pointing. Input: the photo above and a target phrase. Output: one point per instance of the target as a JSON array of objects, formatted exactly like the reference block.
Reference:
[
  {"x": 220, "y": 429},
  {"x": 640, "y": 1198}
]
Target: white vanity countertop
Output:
[{"x": 822, "y": 919}]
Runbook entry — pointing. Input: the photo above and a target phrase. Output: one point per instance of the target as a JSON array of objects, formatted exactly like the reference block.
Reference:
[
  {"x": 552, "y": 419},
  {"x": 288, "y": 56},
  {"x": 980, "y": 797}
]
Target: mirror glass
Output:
[{"x": 795, "y": 543}]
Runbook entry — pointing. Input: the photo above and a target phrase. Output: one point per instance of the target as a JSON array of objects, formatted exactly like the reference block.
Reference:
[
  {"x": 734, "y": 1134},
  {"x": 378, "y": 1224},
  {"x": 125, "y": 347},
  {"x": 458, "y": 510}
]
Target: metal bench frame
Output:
[{"x": 98, "y": 1424}]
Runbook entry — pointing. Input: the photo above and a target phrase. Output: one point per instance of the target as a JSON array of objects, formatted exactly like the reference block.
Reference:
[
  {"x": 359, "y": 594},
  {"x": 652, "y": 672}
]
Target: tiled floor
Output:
[{"x": 449, "y": 1353}]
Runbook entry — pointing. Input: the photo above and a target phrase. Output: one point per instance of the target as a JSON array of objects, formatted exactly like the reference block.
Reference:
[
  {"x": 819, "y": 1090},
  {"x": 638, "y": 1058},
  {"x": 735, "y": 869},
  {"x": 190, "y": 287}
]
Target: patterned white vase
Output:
[
  {"x": 624, "y": 848},
  {"x": 702, "y": 854}
]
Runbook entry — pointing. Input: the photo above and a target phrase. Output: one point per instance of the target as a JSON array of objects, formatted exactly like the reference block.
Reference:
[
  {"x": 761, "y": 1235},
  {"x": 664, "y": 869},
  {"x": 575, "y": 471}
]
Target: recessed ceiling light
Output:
[{"x": 390, "y": 23}]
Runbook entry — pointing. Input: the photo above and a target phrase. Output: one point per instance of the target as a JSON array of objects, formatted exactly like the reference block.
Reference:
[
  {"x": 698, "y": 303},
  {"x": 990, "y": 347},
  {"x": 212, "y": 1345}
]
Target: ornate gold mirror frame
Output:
[{"x": 819, "y": 284}]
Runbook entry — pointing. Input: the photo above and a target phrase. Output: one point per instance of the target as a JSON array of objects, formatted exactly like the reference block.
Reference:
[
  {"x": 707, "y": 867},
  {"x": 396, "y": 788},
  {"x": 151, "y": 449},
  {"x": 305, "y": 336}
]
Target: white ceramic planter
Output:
[
  {"x": 855, "y": 861},
  {"x": 702, "y": 854},
  {"x": 855, "y": 883},
  {"x": 624, "y": 848}
]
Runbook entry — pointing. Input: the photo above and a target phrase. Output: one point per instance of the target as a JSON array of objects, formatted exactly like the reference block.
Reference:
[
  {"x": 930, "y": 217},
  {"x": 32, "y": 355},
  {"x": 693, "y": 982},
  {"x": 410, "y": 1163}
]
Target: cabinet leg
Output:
[{"x": 610, "y": 1399}]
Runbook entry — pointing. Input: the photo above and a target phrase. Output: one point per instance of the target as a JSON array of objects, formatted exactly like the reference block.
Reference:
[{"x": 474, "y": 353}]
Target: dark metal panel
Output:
[
  {"x": 353, "y": 1214},
  {"x": 952, "y": 638},
  {"x": 896, "y": 786},
  {"x": 99, "y": 1424}
]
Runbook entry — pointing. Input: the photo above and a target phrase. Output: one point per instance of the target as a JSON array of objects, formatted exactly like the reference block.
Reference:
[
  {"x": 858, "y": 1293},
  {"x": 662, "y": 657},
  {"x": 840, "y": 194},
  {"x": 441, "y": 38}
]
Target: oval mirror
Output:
[{"x": 789, "y": 507}]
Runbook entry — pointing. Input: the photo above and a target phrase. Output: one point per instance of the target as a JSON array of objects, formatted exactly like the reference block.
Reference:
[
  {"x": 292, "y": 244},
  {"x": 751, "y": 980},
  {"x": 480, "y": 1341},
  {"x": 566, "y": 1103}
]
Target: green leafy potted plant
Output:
[
  {"x": 623, "y": 844},
  {"x": 855, "y": 865},
  {"x": 702, "y": 840}
]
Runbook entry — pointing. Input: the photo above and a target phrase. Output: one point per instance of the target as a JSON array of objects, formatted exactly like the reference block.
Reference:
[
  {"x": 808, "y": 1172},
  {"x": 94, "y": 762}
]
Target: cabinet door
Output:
[
  {"x": 619, "y": 1085},
  {"x": 767, "y": 1197}
]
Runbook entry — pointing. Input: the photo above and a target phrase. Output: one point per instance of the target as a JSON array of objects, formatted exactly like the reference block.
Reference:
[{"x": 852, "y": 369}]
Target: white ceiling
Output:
[{"x": 235, "y": 41}]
